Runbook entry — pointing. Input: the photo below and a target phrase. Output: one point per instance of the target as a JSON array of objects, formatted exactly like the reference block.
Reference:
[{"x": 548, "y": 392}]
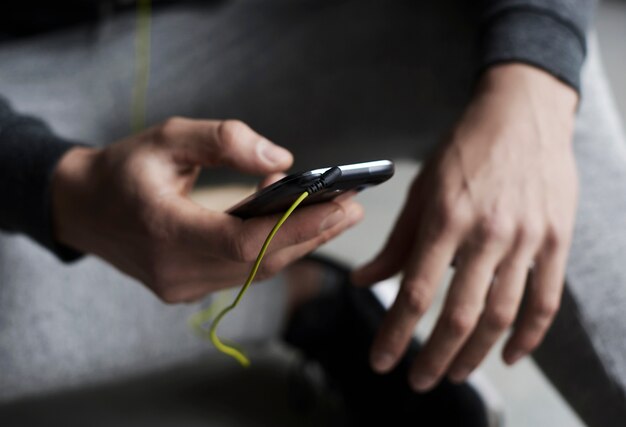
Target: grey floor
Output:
[{"x": 529, "y": 400}]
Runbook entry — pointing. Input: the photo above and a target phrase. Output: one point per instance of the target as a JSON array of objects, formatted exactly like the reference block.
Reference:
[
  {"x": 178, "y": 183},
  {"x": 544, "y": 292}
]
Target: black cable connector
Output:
[{"x": 326, "y": 180}]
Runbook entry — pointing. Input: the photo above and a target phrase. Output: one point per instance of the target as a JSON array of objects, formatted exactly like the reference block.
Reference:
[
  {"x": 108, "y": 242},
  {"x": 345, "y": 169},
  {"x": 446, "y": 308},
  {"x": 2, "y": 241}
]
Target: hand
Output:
[
  {"x": 499, "y": 197},
  {"x": 128, "y": 204}
]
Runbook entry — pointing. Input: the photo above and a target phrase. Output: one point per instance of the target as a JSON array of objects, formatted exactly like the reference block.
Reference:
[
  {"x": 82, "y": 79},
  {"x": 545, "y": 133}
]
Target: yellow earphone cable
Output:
[
  {"x": 228, "y": 349},
  {"x": 324, "y": 181}
]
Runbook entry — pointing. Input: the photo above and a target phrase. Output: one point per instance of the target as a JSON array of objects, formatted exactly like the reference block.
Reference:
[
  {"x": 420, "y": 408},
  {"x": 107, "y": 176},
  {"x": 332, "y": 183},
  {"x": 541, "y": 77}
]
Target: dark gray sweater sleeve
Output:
[
  {"x": 29, "y": 151},
  {"x": 549, "y": 34}
]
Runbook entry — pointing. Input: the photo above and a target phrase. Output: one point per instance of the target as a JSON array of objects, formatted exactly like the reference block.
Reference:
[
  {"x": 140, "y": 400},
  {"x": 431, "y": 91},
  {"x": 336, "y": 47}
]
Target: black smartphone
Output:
[{"x": 278, "y": 197}]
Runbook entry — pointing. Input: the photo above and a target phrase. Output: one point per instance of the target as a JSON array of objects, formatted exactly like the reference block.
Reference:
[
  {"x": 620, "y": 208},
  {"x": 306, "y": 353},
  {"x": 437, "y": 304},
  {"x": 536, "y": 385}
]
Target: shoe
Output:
[{"x": 334, "y": 331}]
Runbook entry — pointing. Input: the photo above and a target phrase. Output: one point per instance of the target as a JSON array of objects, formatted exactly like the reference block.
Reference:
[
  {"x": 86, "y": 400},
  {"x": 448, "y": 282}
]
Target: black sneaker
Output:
[{"x": 334, "y": 332}]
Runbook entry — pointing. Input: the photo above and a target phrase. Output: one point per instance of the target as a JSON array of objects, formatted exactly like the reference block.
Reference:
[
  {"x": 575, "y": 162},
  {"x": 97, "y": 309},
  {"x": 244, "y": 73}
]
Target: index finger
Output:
[{"x": 423, "y": 273}]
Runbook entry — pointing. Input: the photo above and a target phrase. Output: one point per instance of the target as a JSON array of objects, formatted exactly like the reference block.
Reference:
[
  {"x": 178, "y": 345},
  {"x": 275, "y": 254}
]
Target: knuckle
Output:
[
  {"x": 414, "y": 299},
  {"x": 171, "y": 127},
  {"x": 451, "y": 216},
  {"x": 531, "y": 232},
  {"x": 544, "y": 310},
  {"x": 229, "y": 130},
  {"x": 499, "y": 318},
  {"x": 495, "y": 228},
  {"x": 459, "y": 322}
]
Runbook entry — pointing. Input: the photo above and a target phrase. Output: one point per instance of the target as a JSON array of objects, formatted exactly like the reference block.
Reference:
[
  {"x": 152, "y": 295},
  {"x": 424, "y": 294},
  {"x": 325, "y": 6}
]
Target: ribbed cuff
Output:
[
  {"x": 534, "y": 37},
  {"x": 63, "y": 252},
  {"x": 29, "y": 152}
]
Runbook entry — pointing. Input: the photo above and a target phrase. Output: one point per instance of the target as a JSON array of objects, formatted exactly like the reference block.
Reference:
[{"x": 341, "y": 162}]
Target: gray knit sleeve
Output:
[
  {"x": 549, "y": 34},
  {"x": 29, "y": 151}
]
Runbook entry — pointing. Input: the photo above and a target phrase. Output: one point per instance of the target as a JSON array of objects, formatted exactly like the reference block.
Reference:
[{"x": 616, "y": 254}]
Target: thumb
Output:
[{"x": 230, "y": 143}]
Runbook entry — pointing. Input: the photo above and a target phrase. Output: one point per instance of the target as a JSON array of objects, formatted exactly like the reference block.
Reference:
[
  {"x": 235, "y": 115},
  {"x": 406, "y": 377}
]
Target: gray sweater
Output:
[{"x": 549, "y": 34}]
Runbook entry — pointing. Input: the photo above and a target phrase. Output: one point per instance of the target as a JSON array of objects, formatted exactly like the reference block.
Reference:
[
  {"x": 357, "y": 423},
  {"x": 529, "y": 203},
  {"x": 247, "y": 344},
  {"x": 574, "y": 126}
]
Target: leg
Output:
[
  {"x": 310, "y": 73},
  {"x": 584, "y": 353}
]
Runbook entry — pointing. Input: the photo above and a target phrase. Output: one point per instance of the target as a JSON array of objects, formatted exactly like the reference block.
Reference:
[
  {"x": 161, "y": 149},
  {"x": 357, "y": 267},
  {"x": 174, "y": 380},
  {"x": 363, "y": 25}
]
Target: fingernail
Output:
[
  {"x": 382, "y": 362},
  {"x": 459, "y": 375},
  {"x": 514, "y": 357},
  {"x": 422, "y": 383},
  {"x": 272, "y": 154},
  {"x": 333, "y": 219}
]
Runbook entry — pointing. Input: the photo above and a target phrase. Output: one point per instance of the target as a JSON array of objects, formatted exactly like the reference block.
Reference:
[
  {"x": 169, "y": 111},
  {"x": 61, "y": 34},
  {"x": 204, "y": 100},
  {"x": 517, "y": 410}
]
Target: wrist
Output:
[
  {"x": 520, "y": 81},
  {"x": 70, "y": 186}
]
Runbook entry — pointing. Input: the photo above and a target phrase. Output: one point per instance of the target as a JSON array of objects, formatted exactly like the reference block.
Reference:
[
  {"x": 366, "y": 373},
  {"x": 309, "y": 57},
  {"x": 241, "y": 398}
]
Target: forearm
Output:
[
  {"x": 29, "y": 152},
  {"x": 548, "y": 34}
]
